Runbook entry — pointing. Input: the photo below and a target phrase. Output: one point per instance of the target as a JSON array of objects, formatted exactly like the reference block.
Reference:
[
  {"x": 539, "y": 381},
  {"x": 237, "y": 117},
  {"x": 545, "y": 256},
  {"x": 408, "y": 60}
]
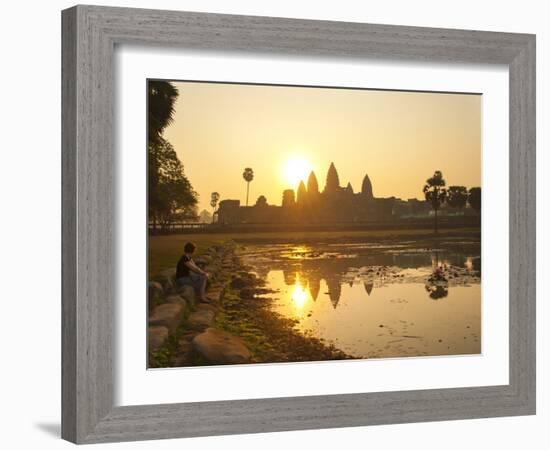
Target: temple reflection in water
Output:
[
  {"x": 306, "y": 272},
  {"x": 377, "y": 299}
]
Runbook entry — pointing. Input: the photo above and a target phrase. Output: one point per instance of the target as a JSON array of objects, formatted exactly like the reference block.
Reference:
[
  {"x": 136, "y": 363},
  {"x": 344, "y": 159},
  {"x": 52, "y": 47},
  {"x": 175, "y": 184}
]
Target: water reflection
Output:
[
  {"x": 304, "y": 269},
  {"x": 373, "y": 302},
  {"x": 437, "y": 291},
  {"x": 368, "y": 287},
  {"x": 299, "y": 294}
]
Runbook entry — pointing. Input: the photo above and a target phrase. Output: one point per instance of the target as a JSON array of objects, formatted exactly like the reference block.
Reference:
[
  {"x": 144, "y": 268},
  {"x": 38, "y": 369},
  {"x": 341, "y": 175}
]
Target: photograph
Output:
[{"x": 288, "y": 224}]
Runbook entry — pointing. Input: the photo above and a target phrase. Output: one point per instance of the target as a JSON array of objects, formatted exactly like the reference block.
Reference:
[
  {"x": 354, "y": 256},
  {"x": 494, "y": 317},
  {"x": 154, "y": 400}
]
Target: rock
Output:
[
  {"x": 157, "y": 336},
  {"x": 168, "y": 315},
  {"x": 220, "y": 347},
  {"x": 202, "y": 318},
  {"x": 177, "y": 299},
  {"x": 215, "y": 294},
  {"x": 206, "y": 307},
  {"x": 155, "y": 291},
  {"x": 184, "y": 346},
  {"x": 188, "y": 293},
  {"x": 188, "y": 335},
  {"x": 183, "y": 356},
  {"x": 167, "y": 278},
  {"x": 201, "y": 261}
]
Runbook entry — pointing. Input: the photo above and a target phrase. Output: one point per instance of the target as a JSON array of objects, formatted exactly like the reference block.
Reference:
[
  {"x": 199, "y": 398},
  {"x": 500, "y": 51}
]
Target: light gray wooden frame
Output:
[{"x": 89, "y": 37}]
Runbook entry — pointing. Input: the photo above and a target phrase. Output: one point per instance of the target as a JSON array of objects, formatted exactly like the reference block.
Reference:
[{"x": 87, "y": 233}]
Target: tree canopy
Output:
[
  {"x": 457, "y": 196},
  {"x": 262, "y": 201},
  {"x": 434, "y": 190},
  {"x": 170, "y": 193},
  {"x": 435, "y": 193},
  {"x": 161, "y": 98},
  {"x": 474, "y": 198}
]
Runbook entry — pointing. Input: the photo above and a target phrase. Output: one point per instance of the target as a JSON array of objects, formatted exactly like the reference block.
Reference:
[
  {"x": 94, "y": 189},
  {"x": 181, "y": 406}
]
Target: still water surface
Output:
[{"x": 378, "y": 300}]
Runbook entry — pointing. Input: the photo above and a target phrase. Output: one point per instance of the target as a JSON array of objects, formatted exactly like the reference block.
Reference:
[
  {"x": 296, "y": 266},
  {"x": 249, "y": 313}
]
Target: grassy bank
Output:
[{"x": 165, "y": 251}]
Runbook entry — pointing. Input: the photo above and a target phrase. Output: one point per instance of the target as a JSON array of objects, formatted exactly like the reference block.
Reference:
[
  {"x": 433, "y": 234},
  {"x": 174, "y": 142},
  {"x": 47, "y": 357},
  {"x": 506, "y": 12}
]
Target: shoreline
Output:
[
  {"x": 239, "y": 317},
  {"x": 240, "y": 324},
  {"x": 165, "y": 250}
]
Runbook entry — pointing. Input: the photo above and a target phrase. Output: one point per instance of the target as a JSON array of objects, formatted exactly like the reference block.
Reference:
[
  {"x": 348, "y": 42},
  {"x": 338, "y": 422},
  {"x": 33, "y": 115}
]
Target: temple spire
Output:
[
  {"x": 312, "y": 185},
  {"x": 333, "y": 181},
  {"x": 366, "y": 188},
  {"x": 302, "y": 193}
]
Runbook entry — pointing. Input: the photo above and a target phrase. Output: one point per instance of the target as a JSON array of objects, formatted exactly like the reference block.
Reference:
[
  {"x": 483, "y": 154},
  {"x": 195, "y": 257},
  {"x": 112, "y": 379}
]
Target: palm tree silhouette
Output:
[
  {"x": 161, "y": 100},
  {"x": 248, "y": 176},
  {"x": 214, "y": 197},
  {"x": 435, "y": 192}
]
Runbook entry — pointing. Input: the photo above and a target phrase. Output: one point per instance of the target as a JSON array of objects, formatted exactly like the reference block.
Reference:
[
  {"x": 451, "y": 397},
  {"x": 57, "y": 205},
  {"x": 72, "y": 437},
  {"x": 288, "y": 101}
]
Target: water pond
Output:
[{"x": 380, "y": 299}]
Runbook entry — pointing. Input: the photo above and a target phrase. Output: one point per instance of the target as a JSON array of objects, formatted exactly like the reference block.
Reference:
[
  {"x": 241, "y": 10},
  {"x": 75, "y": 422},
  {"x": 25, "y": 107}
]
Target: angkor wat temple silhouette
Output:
[{"x": 335, "y": 204}]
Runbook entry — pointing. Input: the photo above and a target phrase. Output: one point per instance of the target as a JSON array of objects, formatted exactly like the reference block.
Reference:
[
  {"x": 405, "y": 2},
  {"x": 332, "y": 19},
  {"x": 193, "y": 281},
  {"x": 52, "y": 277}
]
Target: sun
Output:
[{"x": 296, "y": 169}]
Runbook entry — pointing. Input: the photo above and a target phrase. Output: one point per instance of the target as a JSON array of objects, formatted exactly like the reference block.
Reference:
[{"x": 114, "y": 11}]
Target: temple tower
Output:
[
  {"x": 366, "y": 188},
  {"x": 301, "y": 197},
  {"x": 312, "y": 185},
  {"x": 333, "y": 182}
]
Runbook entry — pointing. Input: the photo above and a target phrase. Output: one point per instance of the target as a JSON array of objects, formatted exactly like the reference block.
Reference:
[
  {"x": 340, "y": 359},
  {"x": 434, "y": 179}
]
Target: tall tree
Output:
[
  {"x": 170, "y": 193},
  {"x": 435, "y": 193},
  {"x": 333, "y": 181},
  {"x": 173, "y": 194},
  {"x": 474, "y": 198},
  {"x": 457, "y": 196},
  {"x": 161, "y": 97},
  {"x": 248, "y": 176},
  {"x": 214, "y": 198},
  {"x": 288, "y": 198}
]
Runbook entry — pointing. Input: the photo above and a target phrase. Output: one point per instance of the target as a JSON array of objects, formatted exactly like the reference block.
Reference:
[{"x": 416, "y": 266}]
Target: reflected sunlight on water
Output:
[
  {"x": 299, "y": 294},
  {"x": 378, "y": 305}
]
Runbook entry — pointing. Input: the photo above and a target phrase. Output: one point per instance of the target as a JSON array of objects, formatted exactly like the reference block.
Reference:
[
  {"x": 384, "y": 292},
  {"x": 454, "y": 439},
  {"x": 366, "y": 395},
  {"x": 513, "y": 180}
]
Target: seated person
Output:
[{"x": 188, "y": 273}]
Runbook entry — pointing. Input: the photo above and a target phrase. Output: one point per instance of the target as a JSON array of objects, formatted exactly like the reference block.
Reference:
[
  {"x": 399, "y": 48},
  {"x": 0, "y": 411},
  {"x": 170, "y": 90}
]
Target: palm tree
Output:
[
  {"x": 161, "y": 98},
  {"x": 214, "y": 197},
  {"x": 248, "y": 176},
  {"x": 435, "y": 192}
]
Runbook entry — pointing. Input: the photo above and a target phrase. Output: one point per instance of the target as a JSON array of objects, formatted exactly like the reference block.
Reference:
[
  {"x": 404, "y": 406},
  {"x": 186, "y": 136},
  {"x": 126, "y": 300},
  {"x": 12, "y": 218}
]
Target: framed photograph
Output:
[{"x": 267, "y": 222}]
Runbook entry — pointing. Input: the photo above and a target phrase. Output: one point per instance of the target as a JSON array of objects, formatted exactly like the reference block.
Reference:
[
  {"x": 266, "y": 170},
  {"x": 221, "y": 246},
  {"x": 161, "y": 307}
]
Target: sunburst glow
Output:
[
  {"x": 296, "y": 169},
  {"x": 299, "y": 294}
]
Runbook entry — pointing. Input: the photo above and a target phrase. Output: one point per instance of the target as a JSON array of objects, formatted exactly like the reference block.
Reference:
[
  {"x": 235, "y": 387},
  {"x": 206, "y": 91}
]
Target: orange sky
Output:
[{"x": 398, "y": 138}]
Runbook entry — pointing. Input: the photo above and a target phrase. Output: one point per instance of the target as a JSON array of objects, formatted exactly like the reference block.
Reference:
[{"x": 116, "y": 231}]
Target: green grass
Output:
[{"x": 165, "y": 251}]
